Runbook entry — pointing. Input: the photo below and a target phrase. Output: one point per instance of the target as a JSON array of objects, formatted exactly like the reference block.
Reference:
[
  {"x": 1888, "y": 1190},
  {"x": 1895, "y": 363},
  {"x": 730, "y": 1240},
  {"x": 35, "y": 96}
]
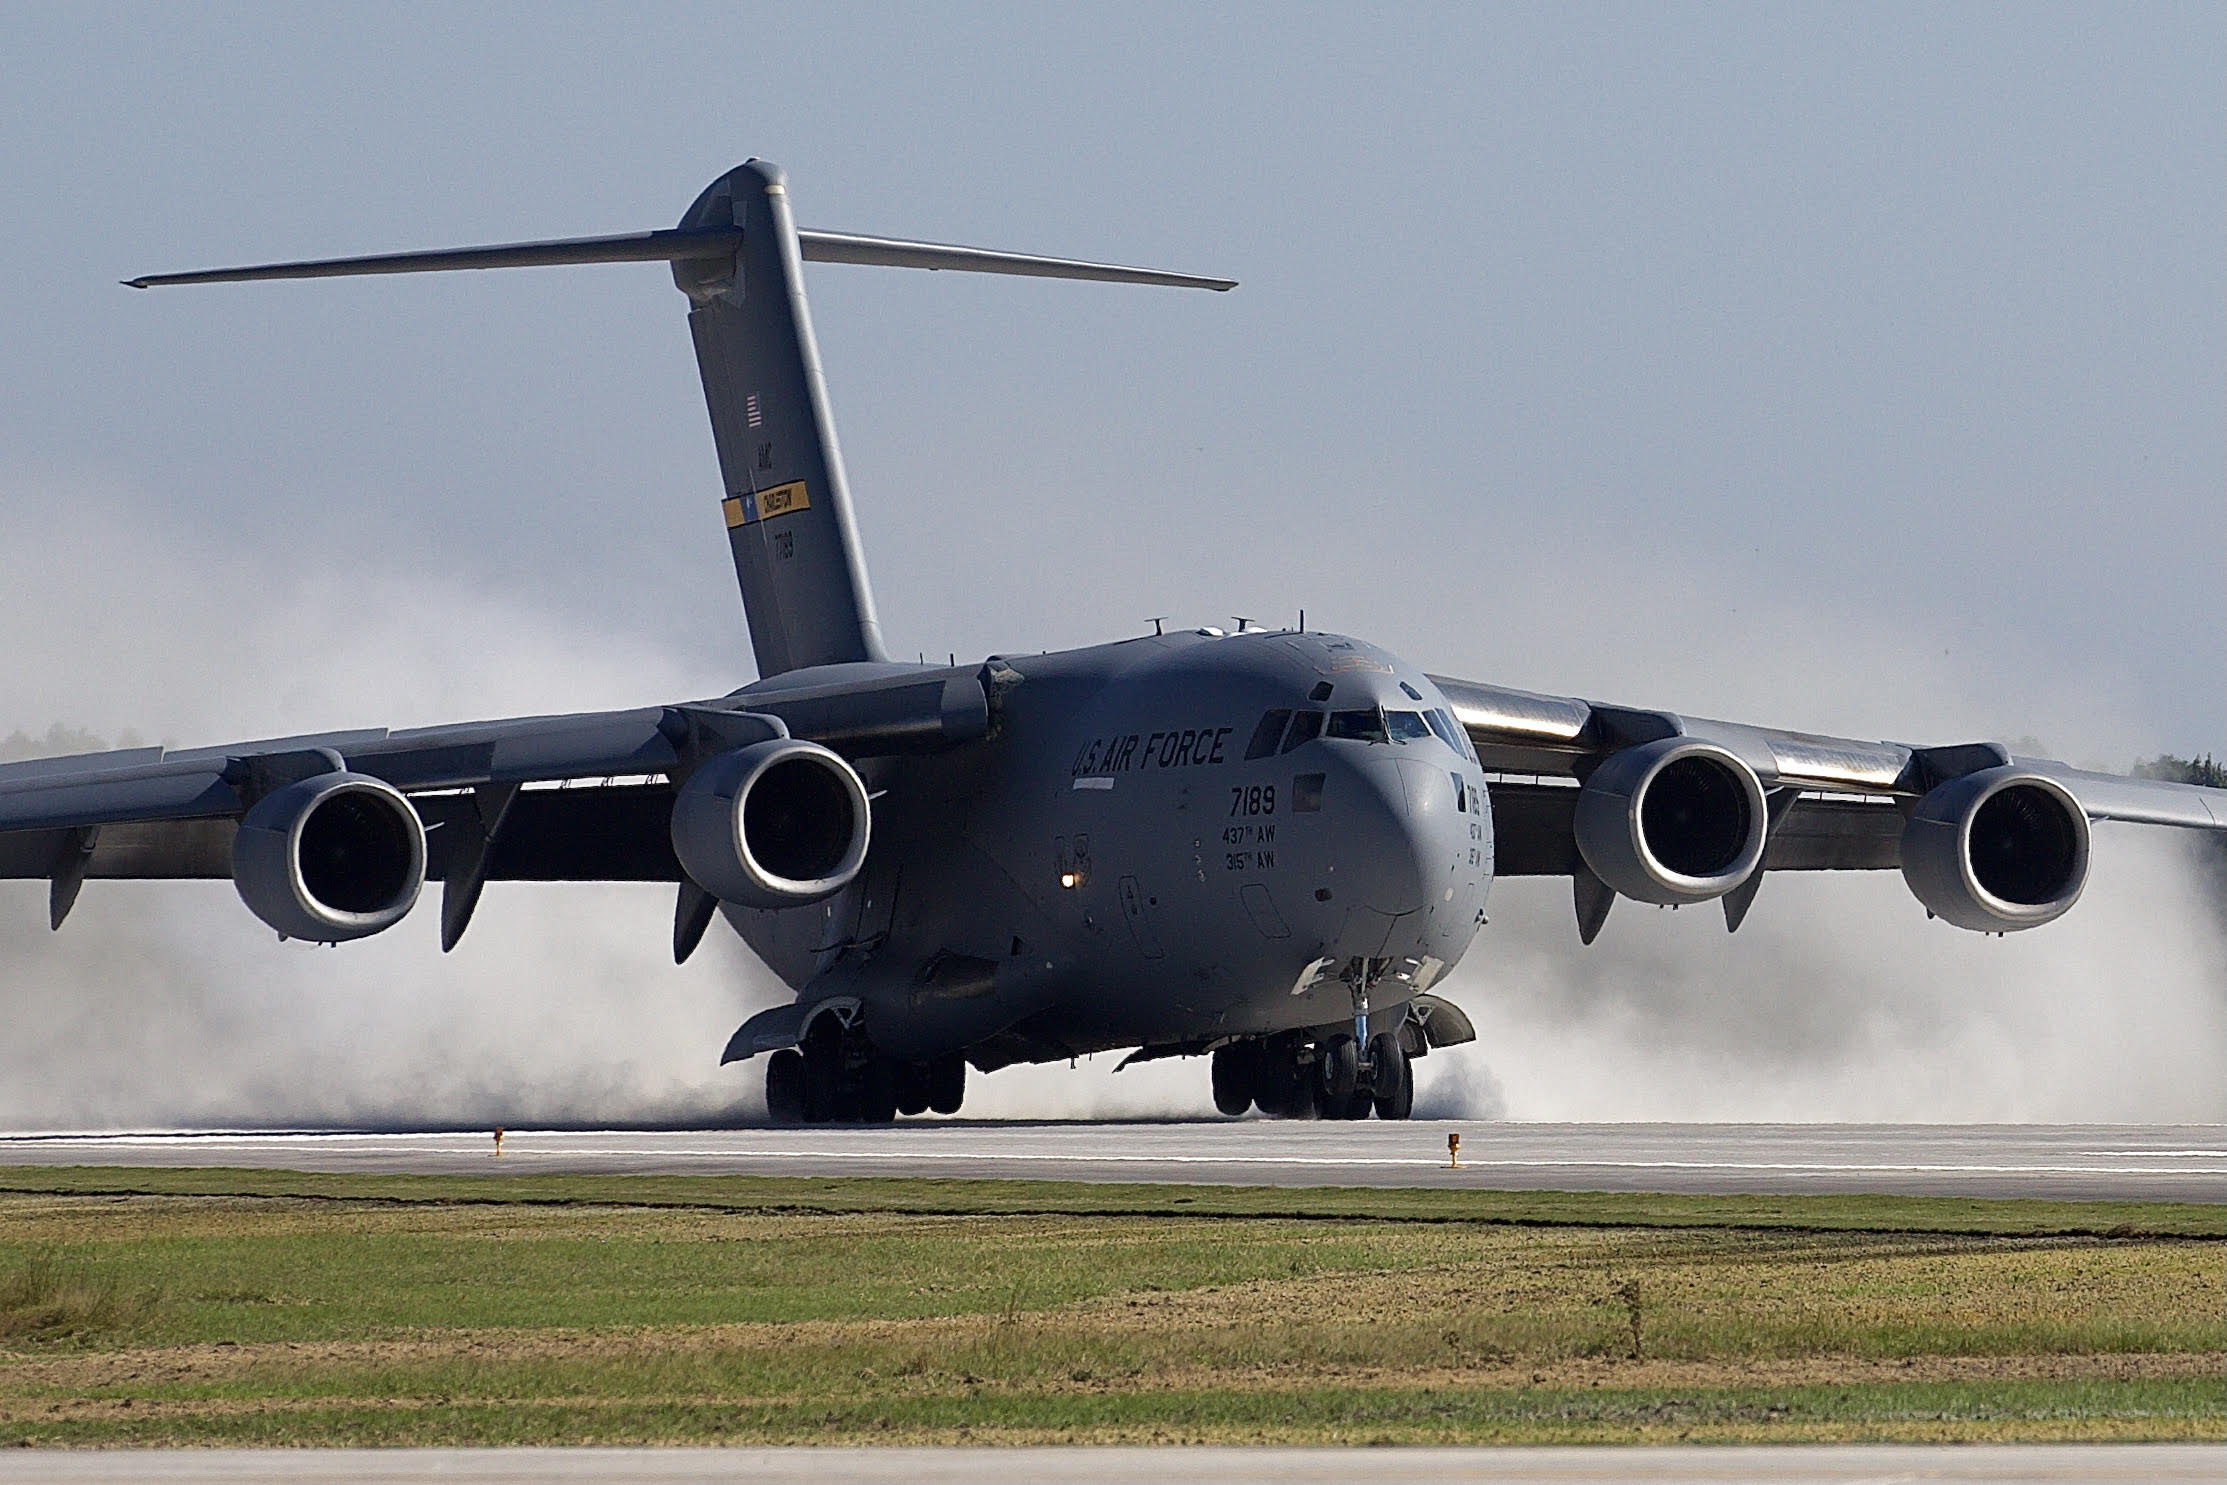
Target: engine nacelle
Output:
[
  {"x": 331, "y": 858},
  {"x": 1997, "y": 851},
  {"x": 773, "y": 825},
  {"x": 1673, "y": 821}
]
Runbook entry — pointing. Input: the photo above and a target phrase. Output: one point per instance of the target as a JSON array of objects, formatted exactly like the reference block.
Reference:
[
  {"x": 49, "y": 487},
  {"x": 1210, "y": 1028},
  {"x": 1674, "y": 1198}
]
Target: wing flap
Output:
[
  {"x": 617, "y": 833},
  {"x": 621, "y": 833},
  {"x": 1531, "y": 830},
  {"x": 1825, "y": 834},
  {"x": 140, "y": 850},
  {"x": 1532, "y": 834}
]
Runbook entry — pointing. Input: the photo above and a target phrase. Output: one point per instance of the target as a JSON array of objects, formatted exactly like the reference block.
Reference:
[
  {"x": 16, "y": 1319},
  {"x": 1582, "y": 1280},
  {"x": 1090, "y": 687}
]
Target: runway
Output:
[
  {"x": 1819, "y": 1465},
  {"x": 2063, "y": 1162}
]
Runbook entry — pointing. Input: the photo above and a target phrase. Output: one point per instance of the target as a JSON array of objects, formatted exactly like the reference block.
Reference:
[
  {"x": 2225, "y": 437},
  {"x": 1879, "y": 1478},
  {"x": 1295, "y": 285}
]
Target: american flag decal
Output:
[{"x": 750, "y": 410}]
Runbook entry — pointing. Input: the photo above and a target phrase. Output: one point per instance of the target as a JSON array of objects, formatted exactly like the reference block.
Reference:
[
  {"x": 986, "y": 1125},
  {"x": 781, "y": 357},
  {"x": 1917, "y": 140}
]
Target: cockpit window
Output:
[
  {"x": 1364, "y": 726},
  {"x": 1406, "y": 726},
  {"x": 1305, "y": 728},
  {"x": 1266, "y": 734},
  {"x": 1443, "y": 725}
]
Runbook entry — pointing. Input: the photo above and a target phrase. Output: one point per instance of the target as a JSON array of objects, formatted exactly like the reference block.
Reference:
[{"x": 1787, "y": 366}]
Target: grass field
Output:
[{"x": 260, "y": 1307}]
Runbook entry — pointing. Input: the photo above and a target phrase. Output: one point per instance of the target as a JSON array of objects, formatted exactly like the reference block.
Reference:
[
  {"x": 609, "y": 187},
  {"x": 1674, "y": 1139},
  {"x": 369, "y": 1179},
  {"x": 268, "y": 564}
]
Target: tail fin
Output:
[
  {"x": 739, "y": 257},
  {"x": 787, "y": 505}
]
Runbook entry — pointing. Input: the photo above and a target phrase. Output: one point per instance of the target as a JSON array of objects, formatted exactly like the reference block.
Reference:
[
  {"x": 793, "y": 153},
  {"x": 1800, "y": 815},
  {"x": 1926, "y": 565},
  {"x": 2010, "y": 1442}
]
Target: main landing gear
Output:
[
  {"x": 1335, "y": 1077},
  {"x": 836, "y": 1077}
]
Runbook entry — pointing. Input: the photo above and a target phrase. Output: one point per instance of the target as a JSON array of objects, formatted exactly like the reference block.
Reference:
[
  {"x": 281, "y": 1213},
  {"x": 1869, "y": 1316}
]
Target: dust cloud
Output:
[
  {"x": 1837, "y": 1000},
  {"x": 167, "y": 1005}
]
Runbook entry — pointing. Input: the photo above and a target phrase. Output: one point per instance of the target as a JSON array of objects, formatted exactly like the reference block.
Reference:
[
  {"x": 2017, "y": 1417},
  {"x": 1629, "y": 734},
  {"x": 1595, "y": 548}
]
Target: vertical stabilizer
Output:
[
  {"x": 786, "y": 505},
  {"x": 739, "y": 257}
]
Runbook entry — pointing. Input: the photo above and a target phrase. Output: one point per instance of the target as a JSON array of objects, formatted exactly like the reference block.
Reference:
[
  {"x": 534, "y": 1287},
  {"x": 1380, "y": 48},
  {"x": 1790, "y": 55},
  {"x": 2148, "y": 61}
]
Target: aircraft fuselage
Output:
[{"x": 1166, "y": 840}]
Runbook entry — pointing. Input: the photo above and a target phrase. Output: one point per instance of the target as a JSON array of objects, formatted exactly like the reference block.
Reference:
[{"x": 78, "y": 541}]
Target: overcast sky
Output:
[{"x": 1853, "y": 369}]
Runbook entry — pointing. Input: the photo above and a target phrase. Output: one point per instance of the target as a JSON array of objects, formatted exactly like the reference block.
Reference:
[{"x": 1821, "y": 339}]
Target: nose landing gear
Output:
[
  {"x": 1391, "y": 1077},
  {"x": 1300, "y": 1076}
]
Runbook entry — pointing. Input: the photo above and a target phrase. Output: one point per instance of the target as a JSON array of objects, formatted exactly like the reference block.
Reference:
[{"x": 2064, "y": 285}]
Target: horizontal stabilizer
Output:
[
  {"x": 738, "y": 256},
  {"x": 693, "y": 243},
  {"x": 891, "y": 252},
  {"x": 671, "y": 246}
]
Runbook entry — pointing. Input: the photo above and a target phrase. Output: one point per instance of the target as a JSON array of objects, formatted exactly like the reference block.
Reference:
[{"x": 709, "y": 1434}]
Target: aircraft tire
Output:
[
  {"x": 1286, "y": 1086},
  {"x": 947, "y": 1083},
  {"x": 823, "y": 1072},
  {"x": 877, "y": 1092},
  {"x": 785, "y": 1087},
  {"x": 912, "y": 1088},
  {"x": 1339, "y": 1069},
  {"x": 1233, "y": 1069},
  {"x": 1354, "y": 1105},
  {"x": 1394, "y": 1080},
  {"x": 819, "y": 1095}
]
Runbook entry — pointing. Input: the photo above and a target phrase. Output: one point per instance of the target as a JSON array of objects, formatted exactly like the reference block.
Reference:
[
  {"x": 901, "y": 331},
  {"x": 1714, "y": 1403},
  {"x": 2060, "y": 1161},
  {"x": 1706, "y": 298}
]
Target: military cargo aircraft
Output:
[{"x": 1262, "y": 846}]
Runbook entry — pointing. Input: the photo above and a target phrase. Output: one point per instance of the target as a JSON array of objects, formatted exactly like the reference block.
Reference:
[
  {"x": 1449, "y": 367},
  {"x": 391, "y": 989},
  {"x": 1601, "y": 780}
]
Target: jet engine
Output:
[
  {"x": 772, "y": 825},
  {"x": 1673, "y": 821},
  {"x": 1997, "y": 850},
  {"x": 330, "y": 858}
]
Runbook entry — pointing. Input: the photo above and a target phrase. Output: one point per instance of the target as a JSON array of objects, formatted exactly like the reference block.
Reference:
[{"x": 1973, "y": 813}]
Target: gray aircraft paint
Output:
[
  {"x": 1108, "y": 869},
  {"x": 787, "y": 505},
  {"x": 1072, "y": 851}
]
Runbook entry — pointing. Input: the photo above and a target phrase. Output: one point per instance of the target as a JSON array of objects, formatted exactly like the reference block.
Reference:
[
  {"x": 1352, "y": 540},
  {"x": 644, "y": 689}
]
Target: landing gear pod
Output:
[
  {"x": 772, "y": 825},
  {"x": 336, "y": 857},
  {"x": 1672, "y": 822},
  {"x": 1997, "y": 851}
]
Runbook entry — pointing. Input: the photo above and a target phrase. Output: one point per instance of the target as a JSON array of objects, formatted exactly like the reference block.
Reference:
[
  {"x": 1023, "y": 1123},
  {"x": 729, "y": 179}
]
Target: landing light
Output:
[{"x": 1070, "y": 880}]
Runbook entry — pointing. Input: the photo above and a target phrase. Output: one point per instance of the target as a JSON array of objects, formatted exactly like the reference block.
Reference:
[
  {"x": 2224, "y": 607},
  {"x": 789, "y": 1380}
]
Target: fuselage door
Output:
[{"x": 1136, "y": 910}]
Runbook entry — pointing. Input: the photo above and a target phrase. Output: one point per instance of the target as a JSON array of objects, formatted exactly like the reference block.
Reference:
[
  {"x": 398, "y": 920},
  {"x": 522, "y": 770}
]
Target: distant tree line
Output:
[
  {"x": 2213, "y": 774},
  {"x": 2204, "y": 770},
  {"x": 57, "y": 741}
]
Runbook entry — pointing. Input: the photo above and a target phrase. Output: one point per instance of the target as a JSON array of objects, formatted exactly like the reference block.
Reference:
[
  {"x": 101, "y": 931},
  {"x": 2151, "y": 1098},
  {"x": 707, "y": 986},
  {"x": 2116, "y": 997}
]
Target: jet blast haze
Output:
[{"x": 1261, "y": 846}]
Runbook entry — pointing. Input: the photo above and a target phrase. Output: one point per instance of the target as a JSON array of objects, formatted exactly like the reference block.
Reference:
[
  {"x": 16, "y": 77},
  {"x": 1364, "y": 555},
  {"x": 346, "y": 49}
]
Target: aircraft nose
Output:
[{"x": 1393, "y": 817}]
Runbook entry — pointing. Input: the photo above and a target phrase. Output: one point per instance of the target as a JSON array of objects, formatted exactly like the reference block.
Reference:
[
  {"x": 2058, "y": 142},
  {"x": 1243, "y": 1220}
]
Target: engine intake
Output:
[
  {"x": 1673, "y": 821},
  {"x": 773, "y": 825},
  {"x": 1997, "y": 851},
  {"x": 331, "y": 858}
]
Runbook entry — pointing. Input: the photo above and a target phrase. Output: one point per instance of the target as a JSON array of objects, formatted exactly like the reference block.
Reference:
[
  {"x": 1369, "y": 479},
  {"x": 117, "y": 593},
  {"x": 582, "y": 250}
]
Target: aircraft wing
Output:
[
  {"x": 1826, "y": 803},
  {"x": 581, "y": 797}
]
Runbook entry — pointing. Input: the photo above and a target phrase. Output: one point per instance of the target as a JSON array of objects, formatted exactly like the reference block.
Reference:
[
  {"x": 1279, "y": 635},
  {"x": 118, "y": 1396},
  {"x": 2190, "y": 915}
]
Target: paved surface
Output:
[
  {"x": 2066, "y": 1162},
  {"x": 1825, "y": 1465}
]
